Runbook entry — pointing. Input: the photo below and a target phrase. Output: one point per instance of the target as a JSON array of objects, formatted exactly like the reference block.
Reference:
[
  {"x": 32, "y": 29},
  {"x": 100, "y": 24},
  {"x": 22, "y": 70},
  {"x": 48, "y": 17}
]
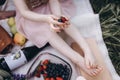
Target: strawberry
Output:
[
  {"x": 52, "y": 79},
  {"x": 44, "y": 67},
  {"x": 47, "y": 78},
  {"x": 37, "y": 75},
  {"x": 45, "y": 62},
  {"x": 59, "y": 78},
  {"x": 40, "y": 68},
  {"x": 63, "y": 19},
  {"x": 45, "y": 75}
]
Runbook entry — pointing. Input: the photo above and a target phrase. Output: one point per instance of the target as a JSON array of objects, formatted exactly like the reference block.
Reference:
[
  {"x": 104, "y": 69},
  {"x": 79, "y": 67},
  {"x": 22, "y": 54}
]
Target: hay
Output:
[{"x": 109, "y": 11}]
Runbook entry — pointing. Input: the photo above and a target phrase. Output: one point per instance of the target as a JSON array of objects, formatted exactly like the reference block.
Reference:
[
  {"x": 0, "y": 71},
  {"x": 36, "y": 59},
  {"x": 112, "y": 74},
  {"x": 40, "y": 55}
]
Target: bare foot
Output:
[
  {"x": 90, "y": 61},
  {"x": 92, "y": 71}
]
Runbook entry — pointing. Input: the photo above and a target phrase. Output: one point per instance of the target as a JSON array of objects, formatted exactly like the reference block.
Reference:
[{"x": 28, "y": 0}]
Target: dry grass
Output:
[{"x": 109, "y": 11}]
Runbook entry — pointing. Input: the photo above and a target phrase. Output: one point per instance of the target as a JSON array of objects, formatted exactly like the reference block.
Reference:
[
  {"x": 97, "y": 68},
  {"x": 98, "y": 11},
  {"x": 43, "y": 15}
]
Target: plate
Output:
[{"x": 51, "y": 66}]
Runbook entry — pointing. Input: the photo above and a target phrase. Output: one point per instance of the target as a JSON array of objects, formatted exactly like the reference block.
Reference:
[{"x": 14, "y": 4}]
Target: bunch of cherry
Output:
[
  {"x": 52, "y": 71},
  {"x": 62, "y": 19}
]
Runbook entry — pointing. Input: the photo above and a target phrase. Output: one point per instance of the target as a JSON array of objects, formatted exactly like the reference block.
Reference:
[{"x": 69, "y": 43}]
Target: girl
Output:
[{"x": 38, "y": 21}]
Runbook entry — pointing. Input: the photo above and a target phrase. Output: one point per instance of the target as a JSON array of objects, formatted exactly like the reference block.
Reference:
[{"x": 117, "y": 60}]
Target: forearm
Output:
[
  {"x": 55, "y": 7},
  {"x": 34, "y": 16}
]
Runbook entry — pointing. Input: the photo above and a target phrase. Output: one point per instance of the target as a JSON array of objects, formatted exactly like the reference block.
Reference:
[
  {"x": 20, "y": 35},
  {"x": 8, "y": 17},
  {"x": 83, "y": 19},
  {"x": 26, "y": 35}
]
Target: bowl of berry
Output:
[{"x": 52, "y": 67}]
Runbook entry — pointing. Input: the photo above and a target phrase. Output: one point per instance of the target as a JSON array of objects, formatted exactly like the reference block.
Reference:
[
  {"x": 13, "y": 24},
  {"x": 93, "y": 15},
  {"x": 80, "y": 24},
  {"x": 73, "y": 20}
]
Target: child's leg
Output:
[
  {"x": 58, "y": 43},
  {"x": 74, "y": 33},
  {"x": 105, "y": 74}
]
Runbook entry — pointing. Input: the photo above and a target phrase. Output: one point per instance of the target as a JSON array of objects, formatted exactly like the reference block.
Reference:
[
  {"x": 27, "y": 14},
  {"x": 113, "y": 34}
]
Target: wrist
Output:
[{"x": 44, "y": 18}]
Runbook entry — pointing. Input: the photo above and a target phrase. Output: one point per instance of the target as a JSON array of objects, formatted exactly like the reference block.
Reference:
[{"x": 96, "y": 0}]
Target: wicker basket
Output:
[{"x": 35, "y": 3}]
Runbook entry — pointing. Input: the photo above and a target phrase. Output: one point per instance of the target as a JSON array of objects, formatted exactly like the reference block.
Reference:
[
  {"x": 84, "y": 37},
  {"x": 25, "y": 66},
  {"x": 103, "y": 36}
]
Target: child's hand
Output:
[
  {"x": 64, "y": 20},
  {"x": 53, "y": 21}
]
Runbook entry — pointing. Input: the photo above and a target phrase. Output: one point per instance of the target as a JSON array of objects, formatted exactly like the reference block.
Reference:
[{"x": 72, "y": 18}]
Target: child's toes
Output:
[
  {"x": 88, "y": 64},
  {"x": 94, "y": 73},
  {"x": 99, "y": 69}
]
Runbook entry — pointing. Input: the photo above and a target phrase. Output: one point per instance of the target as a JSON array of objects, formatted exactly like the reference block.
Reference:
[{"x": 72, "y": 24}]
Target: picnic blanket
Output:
[{"x": 86, "y": 21}]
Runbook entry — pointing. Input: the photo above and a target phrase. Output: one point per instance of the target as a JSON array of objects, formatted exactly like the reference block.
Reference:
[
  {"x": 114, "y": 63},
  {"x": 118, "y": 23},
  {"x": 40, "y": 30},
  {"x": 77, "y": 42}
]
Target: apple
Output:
[
  {"x": 13, "y": 29},
  {"x": 11, "y": 21},
  {"x": 19, "y": 39}
]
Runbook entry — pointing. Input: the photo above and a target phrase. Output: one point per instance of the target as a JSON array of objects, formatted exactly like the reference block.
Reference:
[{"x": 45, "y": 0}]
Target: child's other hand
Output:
[
  {"x": 55, "y": 28},
  {"x": 52, "y": 20}
]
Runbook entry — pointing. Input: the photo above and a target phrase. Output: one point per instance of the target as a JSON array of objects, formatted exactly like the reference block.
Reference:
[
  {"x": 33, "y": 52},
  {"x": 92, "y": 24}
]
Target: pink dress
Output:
[{"x": 39, "y": 32}]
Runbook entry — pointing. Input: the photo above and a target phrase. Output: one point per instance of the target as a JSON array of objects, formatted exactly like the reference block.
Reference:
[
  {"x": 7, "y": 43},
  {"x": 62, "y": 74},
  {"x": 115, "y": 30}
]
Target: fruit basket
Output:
[{"x": 51, "y": 67}]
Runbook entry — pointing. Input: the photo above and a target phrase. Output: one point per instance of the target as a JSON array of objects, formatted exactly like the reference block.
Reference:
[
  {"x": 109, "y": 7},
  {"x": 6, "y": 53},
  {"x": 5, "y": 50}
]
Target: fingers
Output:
[
  {"x": 61, "y": 22},
  {"x": 61, "y": 25},
  {"x": 88, "y": 64},
  {"x": 67, "y": 22},
  {"x": 57, "y": 23},
  {"x": 56, "y": 29}
]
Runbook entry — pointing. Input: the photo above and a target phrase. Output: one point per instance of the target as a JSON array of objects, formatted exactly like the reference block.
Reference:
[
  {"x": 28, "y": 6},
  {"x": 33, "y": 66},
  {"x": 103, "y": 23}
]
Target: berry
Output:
[
  {"x": 44, "y": 67},
  {"x": 63, "y": 19},
  {"x": 45, "y": 62},
  {"x": 42, "y": 72},
  {"x": 37, "y": 75},
  {"x": 54, "y": 71},
  {"x": 59, "y": 78},
  {"x": 47, "y": 78},
  {"x": 40, "y": 68},
  {"x": 52, "y": 79},
  {"x": 45, "y": 75},
  {"x": 59, "y": 20}
]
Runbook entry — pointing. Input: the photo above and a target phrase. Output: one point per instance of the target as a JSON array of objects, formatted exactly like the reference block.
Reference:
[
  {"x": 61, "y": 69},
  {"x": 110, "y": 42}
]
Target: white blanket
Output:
[{"x": 86, "y": 21}]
